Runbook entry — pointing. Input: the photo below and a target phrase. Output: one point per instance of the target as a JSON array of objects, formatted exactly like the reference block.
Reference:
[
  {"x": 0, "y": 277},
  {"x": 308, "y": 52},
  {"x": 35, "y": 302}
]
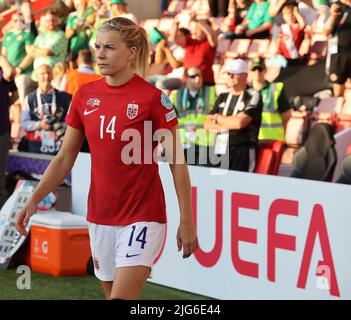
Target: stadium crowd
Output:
[{"x": 219, "y": 61}]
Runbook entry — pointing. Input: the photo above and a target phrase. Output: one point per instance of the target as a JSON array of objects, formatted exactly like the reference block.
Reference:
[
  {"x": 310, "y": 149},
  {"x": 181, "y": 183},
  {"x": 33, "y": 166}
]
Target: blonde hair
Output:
[{"x": 133, "y": 36}]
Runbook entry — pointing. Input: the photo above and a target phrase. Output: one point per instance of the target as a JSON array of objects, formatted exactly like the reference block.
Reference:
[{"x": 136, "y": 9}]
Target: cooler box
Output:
[{"x": 59, "y": 244}]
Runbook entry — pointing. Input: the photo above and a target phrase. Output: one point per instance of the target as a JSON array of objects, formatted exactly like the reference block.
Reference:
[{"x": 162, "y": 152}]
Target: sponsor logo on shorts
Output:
[{"x": 132, "y": 255}]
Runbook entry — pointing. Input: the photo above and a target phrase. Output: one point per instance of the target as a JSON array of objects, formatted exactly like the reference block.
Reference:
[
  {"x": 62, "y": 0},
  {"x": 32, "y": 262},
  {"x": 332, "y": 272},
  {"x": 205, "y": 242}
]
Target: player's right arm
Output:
[{"x": 53, "y": 176}]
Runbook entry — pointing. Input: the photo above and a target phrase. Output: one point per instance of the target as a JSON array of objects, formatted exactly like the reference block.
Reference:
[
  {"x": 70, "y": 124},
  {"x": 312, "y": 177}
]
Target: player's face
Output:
[{"x": 112, "y": 55}]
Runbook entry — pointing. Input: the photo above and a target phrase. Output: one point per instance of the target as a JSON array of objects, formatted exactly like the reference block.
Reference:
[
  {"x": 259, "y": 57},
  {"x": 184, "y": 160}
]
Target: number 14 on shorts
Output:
[{"x": 140, "y": 238}]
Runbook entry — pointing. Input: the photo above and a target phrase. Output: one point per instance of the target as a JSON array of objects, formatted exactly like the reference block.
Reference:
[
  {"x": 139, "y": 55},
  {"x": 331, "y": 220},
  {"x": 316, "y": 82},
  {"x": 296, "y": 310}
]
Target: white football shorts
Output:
[{"x": 112, "y": 247}]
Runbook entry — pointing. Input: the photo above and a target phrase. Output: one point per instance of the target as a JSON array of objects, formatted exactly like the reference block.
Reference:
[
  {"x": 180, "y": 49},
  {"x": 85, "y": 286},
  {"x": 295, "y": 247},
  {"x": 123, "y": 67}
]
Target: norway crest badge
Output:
[{"x": 132, "y": 111}]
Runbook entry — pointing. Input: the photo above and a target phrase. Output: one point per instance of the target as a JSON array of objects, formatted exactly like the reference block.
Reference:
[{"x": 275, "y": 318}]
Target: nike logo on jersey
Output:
[
  {"x": 132, "y": 255},
  {"x": 86, "y": 112}
]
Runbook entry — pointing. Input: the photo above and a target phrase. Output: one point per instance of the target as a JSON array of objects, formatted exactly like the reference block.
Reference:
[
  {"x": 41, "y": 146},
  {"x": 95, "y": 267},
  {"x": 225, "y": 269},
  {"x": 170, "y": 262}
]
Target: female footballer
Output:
[{"x": 126, "y": 205}]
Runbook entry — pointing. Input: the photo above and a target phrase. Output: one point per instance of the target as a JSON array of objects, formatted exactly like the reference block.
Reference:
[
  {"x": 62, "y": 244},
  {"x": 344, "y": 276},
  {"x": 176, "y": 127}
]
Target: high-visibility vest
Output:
[
  {"x": 75, "y": 79},
  {"x": 272, "y": 127},
  {"x": 192, "y": 118}
]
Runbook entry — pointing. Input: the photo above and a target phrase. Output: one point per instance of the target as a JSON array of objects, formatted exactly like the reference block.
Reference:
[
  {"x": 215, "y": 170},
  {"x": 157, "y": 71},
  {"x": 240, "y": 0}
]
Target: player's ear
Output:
[{"x": 132, "y": 53}]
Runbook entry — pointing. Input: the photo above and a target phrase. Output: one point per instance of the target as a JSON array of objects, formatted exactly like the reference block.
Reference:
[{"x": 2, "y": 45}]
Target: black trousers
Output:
[
  {"x": 238, "y": 158},
  {"x": 218, "y": 8}
]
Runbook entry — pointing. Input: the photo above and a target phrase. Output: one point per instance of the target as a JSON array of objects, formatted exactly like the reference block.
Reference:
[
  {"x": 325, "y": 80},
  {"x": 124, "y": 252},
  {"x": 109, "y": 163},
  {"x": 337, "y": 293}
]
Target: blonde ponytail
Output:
[{"x": 133, "y": 36}]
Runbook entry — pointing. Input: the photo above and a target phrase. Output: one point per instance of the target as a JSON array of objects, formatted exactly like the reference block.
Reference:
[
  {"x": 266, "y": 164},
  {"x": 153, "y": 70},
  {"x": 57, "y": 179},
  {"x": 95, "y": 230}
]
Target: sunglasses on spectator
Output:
[
  {"x": 257, "y": 68},
  {"x": 193, "y": 76}
]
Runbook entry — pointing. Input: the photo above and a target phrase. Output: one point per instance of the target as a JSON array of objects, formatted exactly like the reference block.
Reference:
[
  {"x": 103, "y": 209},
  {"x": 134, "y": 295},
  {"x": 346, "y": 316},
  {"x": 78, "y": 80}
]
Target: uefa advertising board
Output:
[{"x": 261, "y": 237}]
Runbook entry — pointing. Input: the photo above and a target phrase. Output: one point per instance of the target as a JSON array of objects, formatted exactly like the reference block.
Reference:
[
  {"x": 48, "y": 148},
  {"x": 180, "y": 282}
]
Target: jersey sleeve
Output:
[
  {"x": 73, "y": 117},
  {"x": 163, "y": 115}
]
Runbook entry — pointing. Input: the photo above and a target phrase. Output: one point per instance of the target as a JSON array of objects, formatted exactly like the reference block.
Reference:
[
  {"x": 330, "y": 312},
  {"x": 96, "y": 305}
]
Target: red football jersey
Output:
[{"x": 125, "y": 183}]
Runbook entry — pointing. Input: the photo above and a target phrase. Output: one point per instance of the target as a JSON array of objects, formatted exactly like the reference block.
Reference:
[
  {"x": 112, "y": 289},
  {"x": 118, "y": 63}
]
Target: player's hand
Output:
[
  {"x": 187, "y": 239},
  {"x": 23, "y": 217}
]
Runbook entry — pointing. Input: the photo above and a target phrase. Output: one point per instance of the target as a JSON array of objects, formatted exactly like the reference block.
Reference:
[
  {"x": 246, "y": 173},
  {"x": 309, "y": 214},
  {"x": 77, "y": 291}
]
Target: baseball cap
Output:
[
  {"x": 257, "y": 63},
  {"x": 236, "y": 66}
]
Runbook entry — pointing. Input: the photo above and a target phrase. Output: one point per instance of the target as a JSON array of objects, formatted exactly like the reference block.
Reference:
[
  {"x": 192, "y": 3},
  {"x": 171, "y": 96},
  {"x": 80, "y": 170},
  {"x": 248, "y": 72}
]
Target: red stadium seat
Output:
[
  {"x": 342, "y": 122},
  {"x": 265, "y": 160},
  {"x": 269, "y": 156},
  {"x": 297, "y": 128},
  {"x": 258, "y": 47},
  {"x": 238, "y": 48}
]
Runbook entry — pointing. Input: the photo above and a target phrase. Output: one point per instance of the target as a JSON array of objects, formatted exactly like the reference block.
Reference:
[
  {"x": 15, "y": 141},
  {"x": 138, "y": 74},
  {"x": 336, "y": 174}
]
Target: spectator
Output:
[
  {"x": 338, "y": 26},
  {"x": 29, "y": 22},
  {"x": 7, "y": 74},
  {"x": 236, "y": 117},
  {"x": 83, "y": 74},
  {"x": 119, "y": 9},
  {"x": 77, "y": 29},
  {"x": 291, "y": 33},
  {"x": 100, "y": 17},
  {"x": 50, "y": 46},
  {"x": 199, "y": 52},
  {"x": 43, "y": 114},
  {"x": 192, "y": 103},
  {"x": 239, "y": 10},
  {"x": 167, "y": 59},
  {"x": 276, "y": 107},
  {"x": 15, "y": 46},
  {"x": 257, "y": 23}
]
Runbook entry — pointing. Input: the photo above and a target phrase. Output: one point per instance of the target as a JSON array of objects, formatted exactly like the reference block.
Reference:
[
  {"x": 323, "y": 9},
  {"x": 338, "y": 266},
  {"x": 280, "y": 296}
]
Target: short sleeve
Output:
[
  {"x": 29, "y": 38},
  {"x": 73, "y": 117},
  {"x": 267, "y": 17},
  {"x": 255, "y": 105},
  {"x": 163, "y": 115},
  {"x": 215, "y": 108}
]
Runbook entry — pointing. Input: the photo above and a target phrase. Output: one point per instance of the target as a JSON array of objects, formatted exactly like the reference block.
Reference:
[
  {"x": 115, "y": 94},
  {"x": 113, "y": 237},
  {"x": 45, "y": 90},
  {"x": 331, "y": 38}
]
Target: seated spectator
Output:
[
  {"x": 199, "y": 52},
  {"x": 167, "y": 60},
  {"x": 276, "y": 107},
  {"x": 119, "y": 9},
  {"x": 43, "y": 114},
  {"x": 77, "y": 29},
  {"x": 237, "y": 12},
  {"x": 50, "y": 46},
  {"x": 236, "y": 117},
  {"x": 192, "y": 103},
  {"x": 257, "y": 23},
  {"x": 15, "y": 46},
  {"x": 291, "y": 33},
  {"x": 83, "y": 74}
]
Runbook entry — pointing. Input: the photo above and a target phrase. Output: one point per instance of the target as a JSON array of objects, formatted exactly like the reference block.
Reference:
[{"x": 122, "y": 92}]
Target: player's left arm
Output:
[{"x": 186, "y": 235}]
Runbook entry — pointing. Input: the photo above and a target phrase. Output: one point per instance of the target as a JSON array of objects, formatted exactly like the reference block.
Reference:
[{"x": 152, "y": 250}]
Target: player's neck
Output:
[{"x": 120, "y": 79}]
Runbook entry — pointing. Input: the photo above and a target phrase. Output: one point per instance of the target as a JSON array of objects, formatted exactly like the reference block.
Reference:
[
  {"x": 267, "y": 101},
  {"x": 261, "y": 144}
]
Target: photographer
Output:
[
  {"x": 43, "y": 115},
  {"x": 338, "y": 27}
]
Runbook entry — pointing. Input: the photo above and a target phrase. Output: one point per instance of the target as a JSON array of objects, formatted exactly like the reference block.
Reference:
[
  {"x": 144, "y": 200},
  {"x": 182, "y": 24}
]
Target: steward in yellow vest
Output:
[
  {"x": 276, "y": 107},
  {"x": 192, "y": 104}
]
